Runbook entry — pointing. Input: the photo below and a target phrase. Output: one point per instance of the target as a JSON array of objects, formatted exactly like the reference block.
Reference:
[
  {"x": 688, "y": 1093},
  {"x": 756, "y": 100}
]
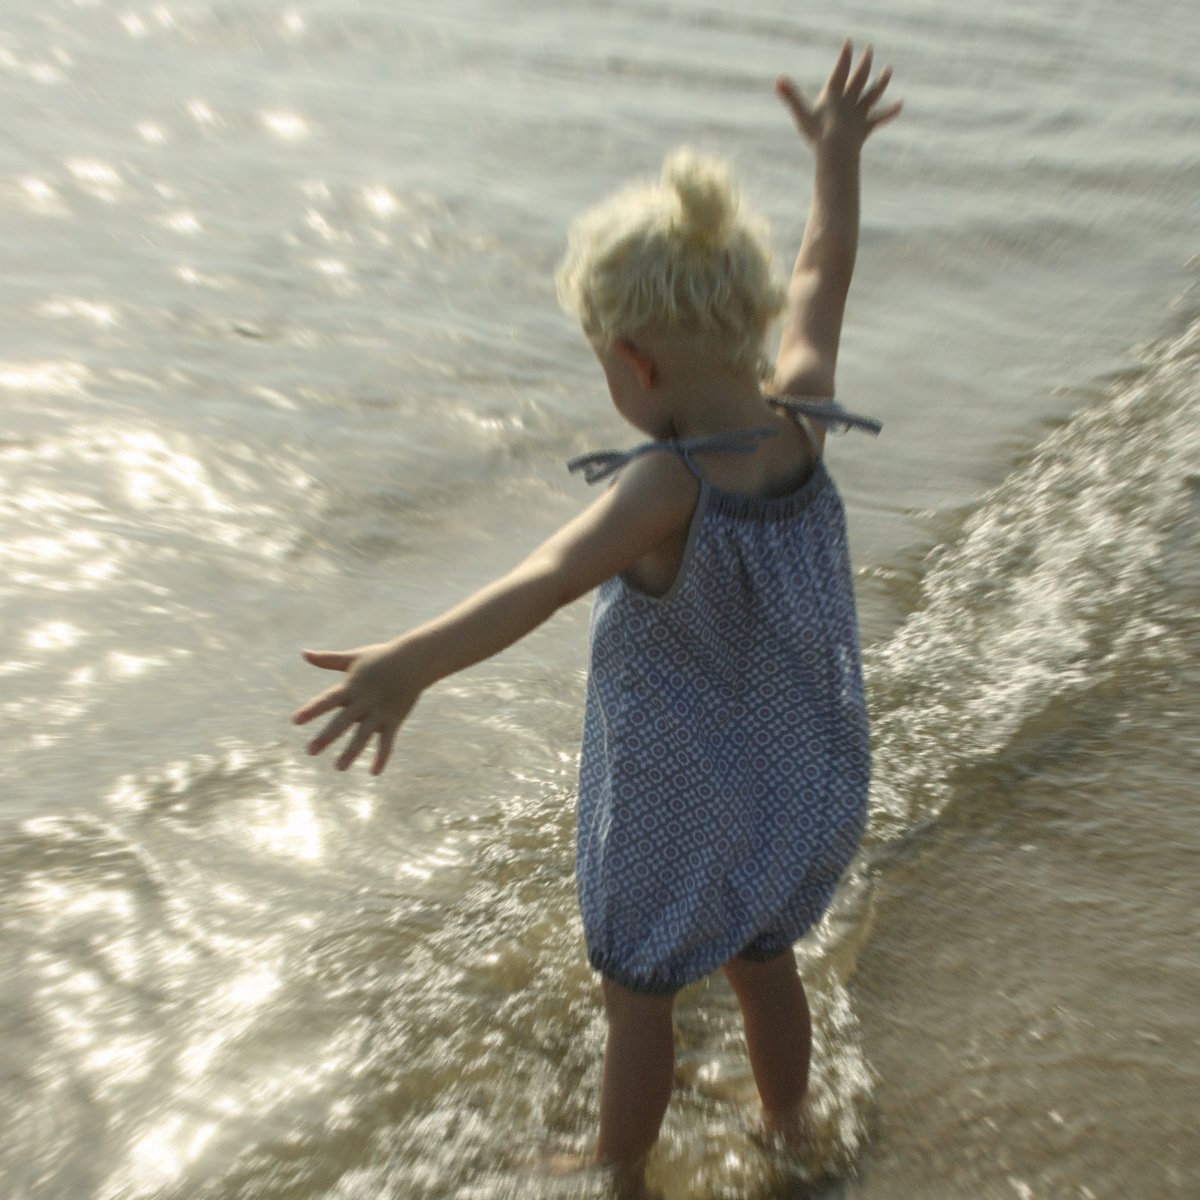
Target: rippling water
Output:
[{"x": 281, "y": 365}]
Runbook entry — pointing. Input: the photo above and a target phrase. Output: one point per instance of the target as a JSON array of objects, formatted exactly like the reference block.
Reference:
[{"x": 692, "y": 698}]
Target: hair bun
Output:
[{"x": 707, "y": 202}]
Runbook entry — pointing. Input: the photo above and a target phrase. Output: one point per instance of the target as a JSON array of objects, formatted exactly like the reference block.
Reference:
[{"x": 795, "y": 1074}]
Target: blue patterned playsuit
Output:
[{"x": 725, "y": 758}]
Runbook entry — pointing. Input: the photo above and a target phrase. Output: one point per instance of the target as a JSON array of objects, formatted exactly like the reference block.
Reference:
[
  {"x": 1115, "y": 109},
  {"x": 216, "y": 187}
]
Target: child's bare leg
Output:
[
  {"x": 639, "y": 1068},
  {"x": 778, "y": 1035}
]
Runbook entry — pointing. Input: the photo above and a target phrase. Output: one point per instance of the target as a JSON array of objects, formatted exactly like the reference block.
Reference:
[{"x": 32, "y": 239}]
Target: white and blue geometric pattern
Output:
[{"x": 726, "y": 755}]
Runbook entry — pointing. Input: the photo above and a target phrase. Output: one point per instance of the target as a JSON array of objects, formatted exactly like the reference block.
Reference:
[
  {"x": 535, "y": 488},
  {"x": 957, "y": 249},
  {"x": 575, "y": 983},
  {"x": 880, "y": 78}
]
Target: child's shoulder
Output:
[
  {"x": 663, "y": 457},
  {"x": 657, "y": 475},
  {"x": 652, "y": 495}
]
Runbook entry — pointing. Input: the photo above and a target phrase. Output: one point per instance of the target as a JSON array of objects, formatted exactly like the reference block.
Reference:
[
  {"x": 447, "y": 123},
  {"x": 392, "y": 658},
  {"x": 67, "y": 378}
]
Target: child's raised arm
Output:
[
  {"x": 844, "y": 115},
  {"x": 652, "y": 500}
]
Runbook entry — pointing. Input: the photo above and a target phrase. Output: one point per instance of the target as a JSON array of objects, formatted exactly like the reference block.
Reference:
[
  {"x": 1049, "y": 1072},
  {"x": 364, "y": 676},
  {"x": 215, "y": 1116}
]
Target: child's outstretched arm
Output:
[
  {"x": 653, "y": 499},
  {"x": 845, "y": 113}
]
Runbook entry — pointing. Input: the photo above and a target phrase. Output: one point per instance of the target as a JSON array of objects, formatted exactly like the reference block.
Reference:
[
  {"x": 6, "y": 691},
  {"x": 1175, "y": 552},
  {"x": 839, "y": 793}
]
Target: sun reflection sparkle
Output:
[
  {"x": 297, "y": 833},
  {"x": 321, "y": 227},
  {"x": 44, "y": 548},
  {"x": 44, "y": 72},
  {"x": 53, "y": 635},
  {"x": 252, "y": 989},
  {"x": 153, "y": 468},
  {"x": 182, "y": 222},
  {"x": 98, "y": 572},
  {"x": 380, "y": 201},
  {"x": 42, "y": 196},
  {"x": 61, "y": 377},
  {"x": 76, "y": 306},
  {"x": 162, "y": 1153},
  {"x": 190, "y": 275},
  {"x": 200, "y": 112},
  {"x": 95, "y": 177},
  {"x": 121, "y": 1061},
  {"x": 286, "y": 125},
  {"x": 236, "y": 1003},
  {"x": 131, "y": 664},
  {"x": 127, "y": 795}
]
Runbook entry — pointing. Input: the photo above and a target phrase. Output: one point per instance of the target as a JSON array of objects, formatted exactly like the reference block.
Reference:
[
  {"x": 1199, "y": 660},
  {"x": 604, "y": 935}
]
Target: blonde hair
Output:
[{"x": 673, "y": 256}]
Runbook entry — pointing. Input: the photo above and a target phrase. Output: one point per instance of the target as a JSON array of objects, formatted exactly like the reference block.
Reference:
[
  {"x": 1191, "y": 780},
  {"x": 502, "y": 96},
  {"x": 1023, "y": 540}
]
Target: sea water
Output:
[{"x": 281, "y": 365}]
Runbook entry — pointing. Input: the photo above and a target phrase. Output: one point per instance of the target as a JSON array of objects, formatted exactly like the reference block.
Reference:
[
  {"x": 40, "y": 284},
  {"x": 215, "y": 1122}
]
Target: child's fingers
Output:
[
  {"x": 331, "y": 660},
  {"x": 795, "y": 103},
  {"x": 882, "y": 118},
  {"x": 332, "y": 731},
  {"x": 787, "y": 91},
  {"x": 858, "y": 80},
  {"x": 331, "y": 698},
  {"x": 383, "y": 751},
  {"x": 871, "y": 96},
  {"x": 841, "y": 69},
  {"x": 358, "y": 743}
]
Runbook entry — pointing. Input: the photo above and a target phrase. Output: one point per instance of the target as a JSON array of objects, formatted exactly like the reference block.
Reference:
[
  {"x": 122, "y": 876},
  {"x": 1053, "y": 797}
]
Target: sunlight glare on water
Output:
[{"x": 288, "y": 824}]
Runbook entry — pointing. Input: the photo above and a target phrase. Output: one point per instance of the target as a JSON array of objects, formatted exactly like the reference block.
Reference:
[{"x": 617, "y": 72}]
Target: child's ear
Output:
[{"x": 638, "y": 361}]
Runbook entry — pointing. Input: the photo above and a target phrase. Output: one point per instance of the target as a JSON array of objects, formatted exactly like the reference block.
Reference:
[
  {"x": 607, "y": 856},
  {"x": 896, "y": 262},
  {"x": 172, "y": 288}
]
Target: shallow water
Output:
[{"x": 282, "y": 365}]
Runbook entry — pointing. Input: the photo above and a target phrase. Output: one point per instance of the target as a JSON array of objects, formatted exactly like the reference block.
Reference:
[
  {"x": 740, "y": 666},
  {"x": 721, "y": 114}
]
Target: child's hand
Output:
[
  {"x": 846, "y": 111},
  {"x": 376, "y": 695}
]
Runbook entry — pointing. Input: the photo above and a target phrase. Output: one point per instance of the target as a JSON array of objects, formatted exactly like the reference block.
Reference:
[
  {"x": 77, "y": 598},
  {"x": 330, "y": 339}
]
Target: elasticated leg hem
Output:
[{"x": 659, "y": 985}]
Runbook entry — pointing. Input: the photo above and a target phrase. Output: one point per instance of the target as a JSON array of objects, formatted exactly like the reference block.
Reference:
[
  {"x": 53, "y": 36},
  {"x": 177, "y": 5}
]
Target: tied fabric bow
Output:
[
  {"x": 600, "y": 464},
  {"x": 826, "y": 412}
]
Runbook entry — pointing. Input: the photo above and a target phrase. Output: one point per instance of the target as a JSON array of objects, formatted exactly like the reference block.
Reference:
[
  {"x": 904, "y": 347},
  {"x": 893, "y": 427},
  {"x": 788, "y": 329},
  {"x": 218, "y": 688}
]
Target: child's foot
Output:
[
  {"x": 627, "y": 1184},
  {"x": 794, "y": 1129},
  {"x": 790, "y": 1133},
  {"x": 555, "y": 1164},
  {"x": 565, "y": 1164}
]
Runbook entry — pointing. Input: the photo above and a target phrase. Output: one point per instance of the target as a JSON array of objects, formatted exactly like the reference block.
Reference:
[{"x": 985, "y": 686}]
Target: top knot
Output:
[
  {"x": 682, "y": 255},
  {"x": 707, "y": 202}
]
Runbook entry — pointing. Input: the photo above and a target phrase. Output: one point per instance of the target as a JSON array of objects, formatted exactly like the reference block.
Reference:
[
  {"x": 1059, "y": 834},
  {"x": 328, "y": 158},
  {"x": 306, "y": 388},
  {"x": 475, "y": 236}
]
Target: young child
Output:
[{"x": 724, "y": 769}]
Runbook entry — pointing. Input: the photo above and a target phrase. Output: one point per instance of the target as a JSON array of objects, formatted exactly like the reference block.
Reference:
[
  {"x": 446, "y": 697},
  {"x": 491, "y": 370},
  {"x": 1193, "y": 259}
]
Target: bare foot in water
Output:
[
  {"x": 791, "y": 1132},
  {"x": 554, "y": 1164},
  {"x": 792, "y": 1129},
  {"x": 628, "y": 1184}
]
